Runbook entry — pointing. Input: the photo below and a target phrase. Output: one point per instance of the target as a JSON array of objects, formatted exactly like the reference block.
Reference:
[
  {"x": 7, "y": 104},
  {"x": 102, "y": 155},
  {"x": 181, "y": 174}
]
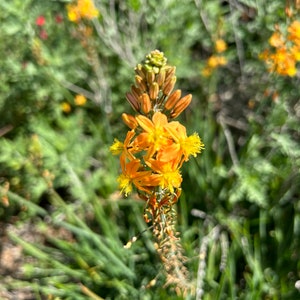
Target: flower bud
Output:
[
  {"x": 133, "y": 101},
  {"x": 153, "y": 91},
  {"x": 145, "y": 103},
  {"x": 150, "y": 76},
  {"x": 169, "y": 85},
  {"x": 170, "y": 72},
  {"x": 130, "y": 121},
  {"x": 140, "y": 82},
  {"x": 173, "y": 99},
  {"x": 181, "y": 105},
  {"x": 161, "y": 77},
  {"x": 135, "y": 91},
  {"x": 139, "y": 71}
]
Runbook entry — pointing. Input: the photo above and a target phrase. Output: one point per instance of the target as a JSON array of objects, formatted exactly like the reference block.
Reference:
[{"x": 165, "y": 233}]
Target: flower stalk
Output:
[{"x": 152, "y": 154}]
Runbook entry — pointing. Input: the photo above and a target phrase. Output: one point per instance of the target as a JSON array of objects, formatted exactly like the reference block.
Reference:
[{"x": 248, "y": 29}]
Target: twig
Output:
[
  {"x": 230, "y": 142},
  {"x": 212, "y": 235},
  {"x": 4, "y": 130},
  {"x": 198, "y": 3},
  {"x": 238, "y": 42}
]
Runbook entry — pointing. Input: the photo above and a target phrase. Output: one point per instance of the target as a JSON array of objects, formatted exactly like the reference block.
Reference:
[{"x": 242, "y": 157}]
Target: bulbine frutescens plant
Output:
[{"x": 152, "y": 155}]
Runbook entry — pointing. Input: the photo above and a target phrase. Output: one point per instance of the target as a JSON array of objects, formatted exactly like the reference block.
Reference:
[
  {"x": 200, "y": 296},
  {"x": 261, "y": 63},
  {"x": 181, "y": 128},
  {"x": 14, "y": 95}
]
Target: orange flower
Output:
[
  {"x": 79, "y": 100},
  {"x": 169, "y": 176},
  {"x": 154, "y": 136},
  {"x": 66, "y": 107},
  {"x": 125, "y": 149},
  {"x": 276, "y": 40},
  {"x": 294, "y": 32},
  {"x": 220, "y": 45},
  {"x": 283, "y": 62},
  {"x": 295, "y": 51},
  {"x": 83, "y": 9},
  {"x": 132, "y": 173},
  {"x": 184, "y": 145}
]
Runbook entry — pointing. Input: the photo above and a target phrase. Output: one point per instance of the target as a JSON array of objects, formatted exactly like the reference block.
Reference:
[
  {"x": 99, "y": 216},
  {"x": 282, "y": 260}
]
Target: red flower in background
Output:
[
  {"x": 40, "y": 21},
  {"x": 43, "y": 34},
  {"x": 58, "y": 19}
]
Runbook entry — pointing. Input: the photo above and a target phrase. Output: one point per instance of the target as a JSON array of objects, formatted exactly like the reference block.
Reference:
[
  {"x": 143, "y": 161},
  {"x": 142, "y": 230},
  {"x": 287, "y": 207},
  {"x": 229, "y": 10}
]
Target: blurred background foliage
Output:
[{"x": 239, "y": 215}]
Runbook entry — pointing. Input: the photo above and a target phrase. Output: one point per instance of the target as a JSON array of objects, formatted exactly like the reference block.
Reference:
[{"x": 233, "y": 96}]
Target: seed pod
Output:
[
  {"x": 161, "y": 77},
  {"x": 173, "y": 99},
  {"x": 133, "y": 101},
  {"x": 130, "y": 121},
  {"x": 181, "y": 105},
  {"x": 153, "y": 91},
  {"x": 140, "y": 82},
  {"x": 169, "y": 85},
  {"x": 145, "y": 103}
]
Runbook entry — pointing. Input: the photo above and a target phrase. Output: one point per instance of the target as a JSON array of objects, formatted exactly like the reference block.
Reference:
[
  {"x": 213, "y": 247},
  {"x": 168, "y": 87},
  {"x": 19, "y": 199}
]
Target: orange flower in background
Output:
[
  {"x": 83, "y": 9},
  {"x": 80, "y": 100},
  {"x": 66, "y": 107},
  {"x": 285, "y": 52},
  {"x": 220, "y": 45},
  {"x": 294, "y": 32},
  {"x": 276, "y": 40},
  {"x": 217, "y": 59}
]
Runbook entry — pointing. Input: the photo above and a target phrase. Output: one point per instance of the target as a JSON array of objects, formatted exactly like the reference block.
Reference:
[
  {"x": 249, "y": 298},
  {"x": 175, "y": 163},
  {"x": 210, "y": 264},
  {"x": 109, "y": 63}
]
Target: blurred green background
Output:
[{"x": 239, "y": 214}]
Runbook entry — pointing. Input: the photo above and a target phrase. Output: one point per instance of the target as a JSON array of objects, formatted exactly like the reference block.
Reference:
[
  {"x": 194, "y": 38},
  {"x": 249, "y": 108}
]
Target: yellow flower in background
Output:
[
  {"x": 220, "y": 45},
  {"x": 65, "y": 107},
  {"x": 80, "y": 100},
  {"x": 214, "y": 61},
  {"x": 83, "y": 9}
]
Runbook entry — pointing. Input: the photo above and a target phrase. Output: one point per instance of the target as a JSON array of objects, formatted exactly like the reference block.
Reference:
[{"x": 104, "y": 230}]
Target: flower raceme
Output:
[
  {"x": 152, "y": 154},
  {"x": 155, "y": 147}
]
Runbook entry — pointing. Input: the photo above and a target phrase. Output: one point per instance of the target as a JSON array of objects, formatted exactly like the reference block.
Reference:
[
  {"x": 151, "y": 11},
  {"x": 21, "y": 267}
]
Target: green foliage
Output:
[{"x": 239, "y": 214}]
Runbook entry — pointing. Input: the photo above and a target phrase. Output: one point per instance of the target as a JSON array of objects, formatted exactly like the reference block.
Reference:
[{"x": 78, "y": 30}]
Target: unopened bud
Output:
[
  {"x": 133, "y": 101},
  {"x": 150, "y": 76},
  {"x": 161, "y": 77},
  {"x": 169, "y": 85},
  {"x": 139, "y": 71},
  {"x": 170, "y": 72},
  {"x": 153, "y": 91},
  {"x": 130, "y": 121},
  {"x": 181, "y": 105},
  {"x": 173, "y": 99},
  {"x": 140, "y": 82},
  {"x": 135, "y": 91},
  {"x": 145, "y": 103}
]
